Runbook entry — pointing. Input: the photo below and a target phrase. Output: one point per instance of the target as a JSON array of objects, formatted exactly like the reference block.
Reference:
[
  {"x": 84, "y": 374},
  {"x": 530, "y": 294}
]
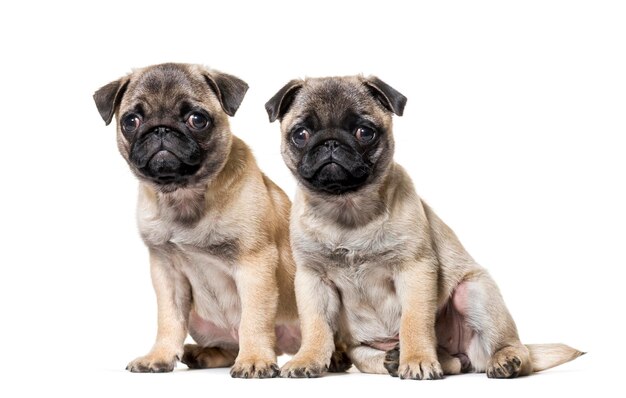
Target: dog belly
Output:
[
  {"x": 373, "y": 332},
  {"x": 374, "y": 320},
  {"x": 288, "y": 339},
  {"x": 453, "y": 331},
  {"x": 214, "y": 295},
  {"x": 371, "y": 317},
  {"x": 384, "y": 345},
  {"x": 216, "y": 314},
  {"x": 454, "y": 334},
  {"x": 208, "y": 334}
]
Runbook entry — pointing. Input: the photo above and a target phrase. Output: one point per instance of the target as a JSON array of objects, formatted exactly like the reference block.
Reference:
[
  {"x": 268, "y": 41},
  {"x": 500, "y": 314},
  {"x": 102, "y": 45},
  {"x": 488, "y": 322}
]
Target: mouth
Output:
[
  {"x": 164, "y": 167},
  {"x": 335, "y": 179},
  {"x": 332, "y": 170}
]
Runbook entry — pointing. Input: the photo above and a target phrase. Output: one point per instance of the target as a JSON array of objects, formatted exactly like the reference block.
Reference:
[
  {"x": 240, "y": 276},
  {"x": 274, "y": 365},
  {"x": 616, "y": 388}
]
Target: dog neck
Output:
[
  {"x": 189, "y": 204},
  {"x": 353, "y": 209},
  {"x": 184, "y": 205}
]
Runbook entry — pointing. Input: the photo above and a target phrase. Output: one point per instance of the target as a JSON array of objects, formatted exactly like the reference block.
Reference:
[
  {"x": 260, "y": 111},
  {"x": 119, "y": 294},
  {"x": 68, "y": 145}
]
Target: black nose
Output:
[
  {"x": 332, "y": 144},
  {"x": 161, "y": 131}
]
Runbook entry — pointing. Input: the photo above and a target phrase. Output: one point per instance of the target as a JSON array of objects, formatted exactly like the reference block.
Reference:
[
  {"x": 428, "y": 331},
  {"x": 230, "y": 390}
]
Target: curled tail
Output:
[{"x": 546, "y": 356}]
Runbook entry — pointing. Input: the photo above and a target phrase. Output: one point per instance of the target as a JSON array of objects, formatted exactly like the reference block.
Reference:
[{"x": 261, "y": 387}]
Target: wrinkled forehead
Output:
[
  {"x": 165, "y": 88},
  {"x": 329, "y": 101}
]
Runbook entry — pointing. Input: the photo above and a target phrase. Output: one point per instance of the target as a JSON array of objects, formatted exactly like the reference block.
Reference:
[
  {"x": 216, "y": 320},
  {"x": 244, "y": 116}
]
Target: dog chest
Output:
[
  {"x": 360, "y": 263},
  {"x": 375, "y": 243},
  {"x": 208, "y": 235}
]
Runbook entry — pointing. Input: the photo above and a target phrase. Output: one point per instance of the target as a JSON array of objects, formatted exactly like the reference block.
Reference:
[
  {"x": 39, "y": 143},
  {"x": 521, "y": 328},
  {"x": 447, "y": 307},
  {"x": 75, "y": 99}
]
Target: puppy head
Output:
[
  {"x": 172, "y": 121},
  {"x": 337, "y": 131}
]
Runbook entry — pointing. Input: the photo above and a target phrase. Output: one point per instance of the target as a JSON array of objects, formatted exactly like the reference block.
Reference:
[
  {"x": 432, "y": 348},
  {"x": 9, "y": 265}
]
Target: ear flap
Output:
[
  {"x": 229, "y": 89},
  {"x": 108, "y": 98},
  {"x": 279, "y": 104},
  {"x": 388, "y": 96}
]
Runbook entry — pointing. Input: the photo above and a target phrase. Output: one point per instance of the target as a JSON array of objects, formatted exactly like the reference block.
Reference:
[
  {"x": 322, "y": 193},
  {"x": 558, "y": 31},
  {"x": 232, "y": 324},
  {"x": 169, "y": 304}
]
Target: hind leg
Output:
[
  {"x": 371, "y": 360},
  {"x": 494, "y": 346}
]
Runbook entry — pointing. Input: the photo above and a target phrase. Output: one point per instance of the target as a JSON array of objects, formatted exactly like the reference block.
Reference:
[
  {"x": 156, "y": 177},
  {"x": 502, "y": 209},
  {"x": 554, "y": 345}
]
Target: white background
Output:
[{"x": 513, "y": 132}]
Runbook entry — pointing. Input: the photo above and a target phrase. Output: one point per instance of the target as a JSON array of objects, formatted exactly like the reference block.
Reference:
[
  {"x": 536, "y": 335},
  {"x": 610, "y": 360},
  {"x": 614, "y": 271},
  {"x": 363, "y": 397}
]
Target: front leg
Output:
[
  {"x": 416, "y": 284},
  {"x": 318, "y": 306},
  {"x": 174, "y": 302},
  {"x": 258, "y": 291}
]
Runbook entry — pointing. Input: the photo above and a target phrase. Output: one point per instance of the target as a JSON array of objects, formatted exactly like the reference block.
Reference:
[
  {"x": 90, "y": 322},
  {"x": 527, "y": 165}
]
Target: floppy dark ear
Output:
[
  {"x": 279, "y": 104},
  {"x": 388, "y": 96},
  {"x": 229, "y": 89},
  {"x": 108, "y": 98}
]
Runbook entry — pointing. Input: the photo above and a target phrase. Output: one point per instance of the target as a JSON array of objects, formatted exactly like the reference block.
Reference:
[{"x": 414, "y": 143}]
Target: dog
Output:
[
  {"x": 215, "y": 226},
  {"x": 376, "y": 268}
]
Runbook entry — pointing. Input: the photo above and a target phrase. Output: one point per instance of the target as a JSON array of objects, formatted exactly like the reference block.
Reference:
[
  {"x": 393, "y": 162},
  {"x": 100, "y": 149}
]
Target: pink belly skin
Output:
[
  {"x": 453, "y": 332},
  {"x": 207, "y": 334},
  {"x": 288, "y": 339},
  {"x": 384, "y": 345}
]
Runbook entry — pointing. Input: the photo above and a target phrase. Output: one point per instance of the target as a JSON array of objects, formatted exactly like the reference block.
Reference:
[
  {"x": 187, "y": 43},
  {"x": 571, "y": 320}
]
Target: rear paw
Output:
[
  {"x": 466, "y": 364},
  {"x": 420, "y": 369},
  {"x": 340, "y": 362},
  {"x": 197, "y": 357},
  {"x": 392, "y": 360},
  {"x": 192, "y": 356},
  {"x": 508, "y": 368},
  {"x": 507, "y": 363}
]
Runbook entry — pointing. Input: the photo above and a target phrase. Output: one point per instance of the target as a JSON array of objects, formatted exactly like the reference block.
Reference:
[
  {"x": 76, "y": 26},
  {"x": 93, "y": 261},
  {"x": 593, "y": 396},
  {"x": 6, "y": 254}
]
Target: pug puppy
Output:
[
  {"x": 376, "y": 268},
  {"x": 215, "y": 226}
]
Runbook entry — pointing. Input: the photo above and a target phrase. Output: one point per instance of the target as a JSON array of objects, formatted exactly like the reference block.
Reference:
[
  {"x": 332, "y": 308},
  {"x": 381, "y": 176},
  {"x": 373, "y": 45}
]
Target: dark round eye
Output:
[
  {"x": 131, "y": 123},
  {"x": 364, "y": 134},
  {"x": 300, "y": 137},
  {"x": 197, "y": 121}
]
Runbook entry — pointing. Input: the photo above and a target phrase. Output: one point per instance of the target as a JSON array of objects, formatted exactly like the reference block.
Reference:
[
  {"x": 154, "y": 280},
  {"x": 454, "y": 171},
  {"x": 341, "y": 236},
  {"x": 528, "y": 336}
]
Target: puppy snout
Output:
[
  {"x": 161, "y": 131},
  {"x": 332, "y": 145},
  {"x": 164, "y": 164}
]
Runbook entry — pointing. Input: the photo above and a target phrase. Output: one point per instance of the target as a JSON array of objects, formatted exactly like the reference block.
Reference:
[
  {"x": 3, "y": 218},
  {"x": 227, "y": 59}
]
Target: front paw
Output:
[
  {"x": 303, "y": 367},
  {"x": 153, "y": 363},
  {"x": 254, "y": 369},
  {"x": 420, "y": 368}
]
